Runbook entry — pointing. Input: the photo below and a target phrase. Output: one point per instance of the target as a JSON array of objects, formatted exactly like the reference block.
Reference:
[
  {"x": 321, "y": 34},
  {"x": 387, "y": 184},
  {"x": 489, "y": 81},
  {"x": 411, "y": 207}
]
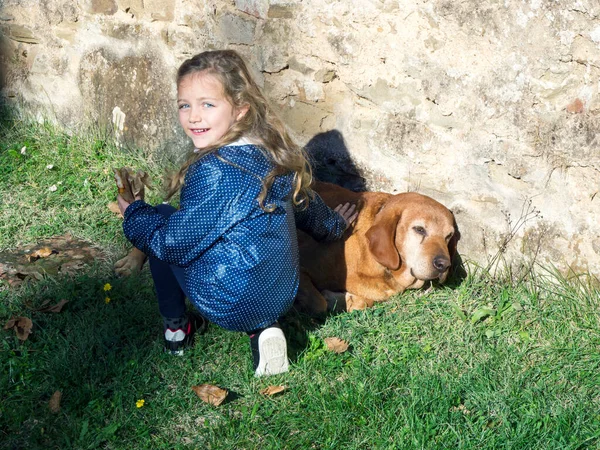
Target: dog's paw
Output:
[
  {"x": 336, "y": 301},
  {"x": 353, "y": 303},
  {"x": 131, "y": 264}
]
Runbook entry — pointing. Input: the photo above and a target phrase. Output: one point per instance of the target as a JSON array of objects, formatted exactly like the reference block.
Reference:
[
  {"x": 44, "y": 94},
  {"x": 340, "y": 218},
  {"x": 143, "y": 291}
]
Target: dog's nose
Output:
[{"x": 441, "y": 263}]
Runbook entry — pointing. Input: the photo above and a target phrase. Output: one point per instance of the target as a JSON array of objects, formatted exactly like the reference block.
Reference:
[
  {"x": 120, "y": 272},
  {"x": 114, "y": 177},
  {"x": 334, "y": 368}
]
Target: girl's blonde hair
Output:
[{"x": 260, "y": 124}]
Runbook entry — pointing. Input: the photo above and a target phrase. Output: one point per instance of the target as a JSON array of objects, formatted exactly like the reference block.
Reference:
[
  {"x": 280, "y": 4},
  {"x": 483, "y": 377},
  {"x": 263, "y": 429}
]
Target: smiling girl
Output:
[{"x": 231, "y": 248}]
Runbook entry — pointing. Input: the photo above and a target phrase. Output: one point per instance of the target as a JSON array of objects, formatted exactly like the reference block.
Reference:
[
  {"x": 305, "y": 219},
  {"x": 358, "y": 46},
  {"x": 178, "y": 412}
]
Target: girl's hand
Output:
[
  {"x": 122, "y": 204},
  {"x": 348, "y": 213}
]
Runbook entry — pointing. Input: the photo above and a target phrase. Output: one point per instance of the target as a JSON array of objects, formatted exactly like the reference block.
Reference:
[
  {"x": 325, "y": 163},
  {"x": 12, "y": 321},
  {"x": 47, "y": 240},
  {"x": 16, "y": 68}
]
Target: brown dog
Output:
[{"x": 398, "y": 242}]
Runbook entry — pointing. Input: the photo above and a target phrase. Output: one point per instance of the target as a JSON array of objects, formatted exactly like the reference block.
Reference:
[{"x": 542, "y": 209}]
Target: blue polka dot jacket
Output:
[{"x": 241, "y": 262}]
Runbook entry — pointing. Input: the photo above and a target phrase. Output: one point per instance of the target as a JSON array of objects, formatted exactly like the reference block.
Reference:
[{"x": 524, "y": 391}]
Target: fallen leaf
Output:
[
  {"x": 69, "y": 255},
  {"x": 130, "y": 184},
  {"x": 272, "y": 390},
  {"x": 71, "y": 267},
  {"x": 114, "y": 208},
  {"x": 43, "y": 252},
  {"x": 54, "y": 403},
  {"x": 54, "y": 308},
  {"x": 336, "y": 345},
  {"x": 22, "y": 326},
  {"x": 210, "y": 394}
]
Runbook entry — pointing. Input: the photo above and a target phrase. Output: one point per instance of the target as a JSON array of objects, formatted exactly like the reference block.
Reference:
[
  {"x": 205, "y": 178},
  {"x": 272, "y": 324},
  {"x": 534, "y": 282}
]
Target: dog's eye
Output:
[{"x": 420, "y": 230}]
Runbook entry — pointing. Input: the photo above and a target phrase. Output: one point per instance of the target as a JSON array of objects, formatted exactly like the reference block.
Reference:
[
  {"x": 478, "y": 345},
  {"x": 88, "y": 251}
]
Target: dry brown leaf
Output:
[
  {"x": 210, "y": 394},
  {"x": 43, "y": 252},
  {"x": 54, "y": 308},
  {"x": 54, "y": 403},
  {"x": 18, "y": 266},
  {"x": 120, "y": 179},
  {"x": 130, "y": 184},
  {"x": 21, "y": 325},
  {"x": 336, "y": 345},
  {"x": 272, "y": 390},
  {"x": 10, "y": 323},
  {"x": 114, "y": 208},
  {"x": 71, "y": 267}
]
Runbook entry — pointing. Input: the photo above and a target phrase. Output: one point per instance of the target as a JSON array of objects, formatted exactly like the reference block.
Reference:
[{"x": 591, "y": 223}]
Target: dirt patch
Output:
[{"x": 59, "y": 255}]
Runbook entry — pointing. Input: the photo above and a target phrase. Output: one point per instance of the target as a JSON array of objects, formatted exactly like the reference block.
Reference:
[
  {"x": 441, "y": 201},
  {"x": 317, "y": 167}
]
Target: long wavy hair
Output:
[{"x": 260, "y": 124}]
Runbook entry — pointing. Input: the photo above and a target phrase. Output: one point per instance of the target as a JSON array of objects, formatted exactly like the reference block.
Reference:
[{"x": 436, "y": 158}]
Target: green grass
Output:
[
  {"x": 485, "y": 364},
  {"x": 71, "y": 196}
]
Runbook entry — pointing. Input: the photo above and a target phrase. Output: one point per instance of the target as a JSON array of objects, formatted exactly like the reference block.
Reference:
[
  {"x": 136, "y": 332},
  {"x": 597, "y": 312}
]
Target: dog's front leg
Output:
[
  {"x": 308, "y": 299},
  {"x": 345, "y": 301},
  {"x": 336, "y": 301}
]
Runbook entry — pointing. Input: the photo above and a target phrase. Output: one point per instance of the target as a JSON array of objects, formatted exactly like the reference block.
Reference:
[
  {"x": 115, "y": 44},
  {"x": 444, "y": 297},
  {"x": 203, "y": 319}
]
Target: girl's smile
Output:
[{"x": 204, "y": 112}]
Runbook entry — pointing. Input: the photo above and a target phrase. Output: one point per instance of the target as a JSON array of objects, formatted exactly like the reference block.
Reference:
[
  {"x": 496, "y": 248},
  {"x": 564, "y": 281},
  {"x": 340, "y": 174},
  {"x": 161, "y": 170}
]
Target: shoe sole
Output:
[
  {"x": 174, "y": 352},
  {"x": 272, "y": 348}
]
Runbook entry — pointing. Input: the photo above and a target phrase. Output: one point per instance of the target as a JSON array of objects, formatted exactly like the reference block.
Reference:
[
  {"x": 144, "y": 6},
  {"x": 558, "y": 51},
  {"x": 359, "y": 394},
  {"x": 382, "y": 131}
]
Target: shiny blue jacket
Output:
[{"x": 241, "y": 262}]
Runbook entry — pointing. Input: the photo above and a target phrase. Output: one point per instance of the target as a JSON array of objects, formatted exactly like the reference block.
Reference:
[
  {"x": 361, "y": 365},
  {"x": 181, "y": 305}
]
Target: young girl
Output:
[{"x": 231, "y": 248}]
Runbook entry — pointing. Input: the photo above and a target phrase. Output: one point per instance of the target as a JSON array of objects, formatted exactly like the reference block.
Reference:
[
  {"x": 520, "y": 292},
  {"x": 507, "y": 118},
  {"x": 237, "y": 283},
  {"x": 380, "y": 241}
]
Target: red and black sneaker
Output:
[{"x": 177, "y": 340}]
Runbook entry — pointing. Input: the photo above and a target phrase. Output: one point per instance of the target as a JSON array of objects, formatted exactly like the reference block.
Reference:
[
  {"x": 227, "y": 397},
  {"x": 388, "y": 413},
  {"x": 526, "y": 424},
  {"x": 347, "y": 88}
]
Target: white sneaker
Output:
[{"x": 272, "y": 352}]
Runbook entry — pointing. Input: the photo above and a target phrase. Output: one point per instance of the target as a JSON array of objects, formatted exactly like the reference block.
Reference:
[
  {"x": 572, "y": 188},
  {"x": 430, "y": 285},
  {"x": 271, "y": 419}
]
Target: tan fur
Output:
[{"x": 395, "y": 244}]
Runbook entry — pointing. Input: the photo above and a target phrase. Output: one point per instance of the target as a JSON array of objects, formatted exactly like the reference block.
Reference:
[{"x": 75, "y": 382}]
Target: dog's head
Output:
[{"x": 414, "y": 234}]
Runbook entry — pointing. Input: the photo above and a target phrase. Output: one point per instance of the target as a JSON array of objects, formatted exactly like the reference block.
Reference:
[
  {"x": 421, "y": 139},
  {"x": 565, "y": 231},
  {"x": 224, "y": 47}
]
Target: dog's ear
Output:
[
  {"x": 453, "y": 242},
  {"x": 381, "y": 237}
]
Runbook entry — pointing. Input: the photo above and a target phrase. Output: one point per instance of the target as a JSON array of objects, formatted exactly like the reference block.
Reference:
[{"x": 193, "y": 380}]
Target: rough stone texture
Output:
[
  {"x": 256, "y": 8},
  {"x": 107, "y": 7},
  {"x": 490, "y": 107}
]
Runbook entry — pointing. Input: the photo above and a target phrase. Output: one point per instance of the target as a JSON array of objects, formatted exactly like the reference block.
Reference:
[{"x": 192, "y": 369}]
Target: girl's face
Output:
[{"x": 204, "y": 112}]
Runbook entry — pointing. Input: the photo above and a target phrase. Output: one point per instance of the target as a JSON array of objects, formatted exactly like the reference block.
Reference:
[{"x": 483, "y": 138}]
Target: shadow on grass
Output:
[
  {"x": 297, "y": 327},
  {"x": 103, "y": 353},
  {"x": 93, "y": 351}
]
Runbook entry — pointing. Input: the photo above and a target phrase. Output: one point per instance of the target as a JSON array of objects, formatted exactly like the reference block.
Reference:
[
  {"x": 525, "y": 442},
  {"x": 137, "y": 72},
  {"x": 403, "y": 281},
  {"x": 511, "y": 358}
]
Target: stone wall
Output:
[{"x": 490, "y": 107}]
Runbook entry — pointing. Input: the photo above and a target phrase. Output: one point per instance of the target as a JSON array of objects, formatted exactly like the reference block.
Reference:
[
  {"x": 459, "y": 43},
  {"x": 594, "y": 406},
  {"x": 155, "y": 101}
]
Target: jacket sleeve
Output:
[
  {"x": 320, "y": 221},
  {"x": 210, "y": 205}
]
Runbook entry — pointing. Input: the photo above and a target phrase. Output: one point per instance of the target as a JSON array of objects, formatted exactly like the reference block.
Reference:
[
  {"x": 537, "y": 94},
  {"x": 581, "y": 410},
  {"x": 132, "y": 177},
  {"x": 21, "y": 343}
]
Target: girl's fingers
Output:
[
  {"x": 347, "y": 211},
  {"x": 343, "y": 208},
  {"x": 122, "y": 204},
  {"x": 353, "y": 218}
]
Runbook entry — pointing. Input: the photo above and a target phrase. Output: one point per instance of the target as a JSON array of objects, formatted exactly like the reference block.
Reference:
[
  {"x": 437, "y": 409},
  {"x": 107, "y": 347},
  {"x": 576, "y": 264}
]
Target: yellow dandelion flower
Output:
[
  {"x": 107, "y": 287},
  {"x": 107, "y": 300},
  {"x": 140, "y": 403}
]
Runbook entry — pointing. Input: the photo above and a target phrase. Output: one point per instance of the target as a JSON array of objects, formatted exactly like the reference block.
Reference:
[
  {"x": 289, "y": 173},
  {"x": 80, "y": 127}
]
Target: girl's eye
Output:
[
  {"x": 208, "y": 105},
  {"x": 184, "y": 106}
]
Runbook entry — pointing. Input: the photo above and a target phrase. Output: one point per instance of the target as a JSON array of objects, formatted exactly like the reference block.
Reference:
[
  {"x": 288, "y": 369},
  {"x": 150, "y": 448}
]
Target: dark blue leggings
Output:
[{"x": 169, "y": 280}]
